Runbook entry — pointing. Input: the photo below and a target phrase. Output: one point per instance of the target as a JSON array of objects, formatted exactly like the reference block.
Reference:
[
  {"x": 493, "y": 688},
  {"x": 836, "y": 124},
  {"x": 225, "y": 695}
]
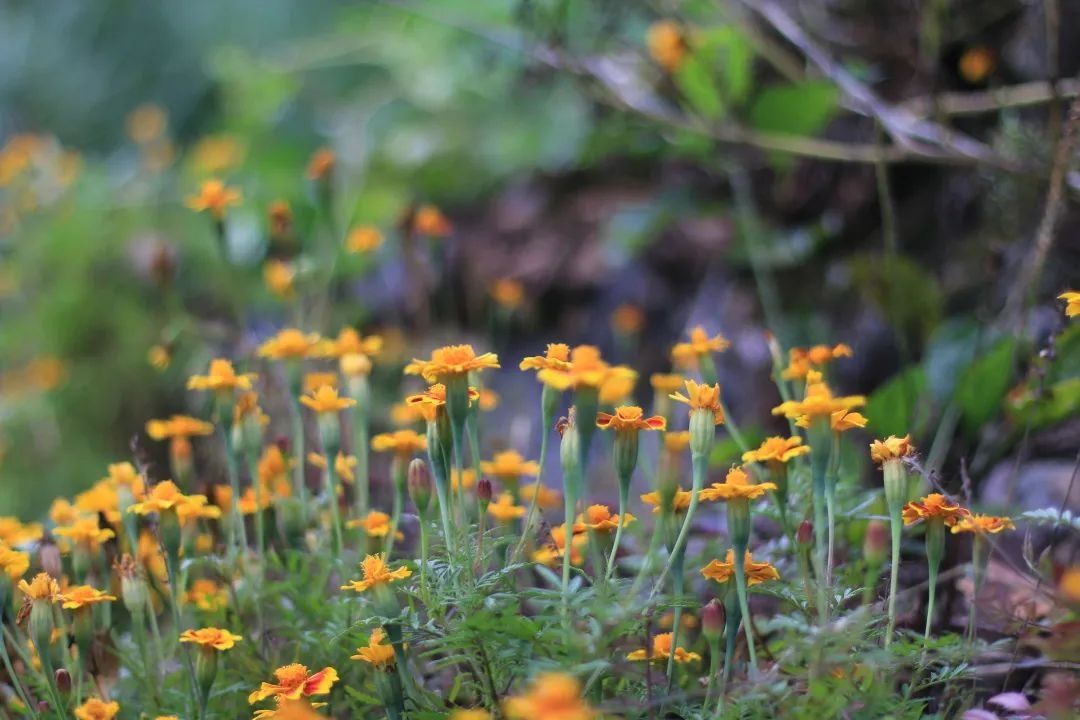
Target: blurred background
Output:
[{"x": 612, "y": 172}]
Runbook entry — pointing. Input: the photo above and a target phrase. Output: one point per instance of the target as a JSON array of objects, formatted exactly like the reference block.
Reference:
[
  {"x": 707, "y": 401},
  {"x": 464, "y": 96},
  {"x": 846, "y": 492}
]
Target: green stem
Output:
[
  {"x": 659, "y": 529},
  {"x": 546, "y": 418},
  {"x": 360, "y": 447},
  {"x": 570, "y": 503},
  {"x": 700, "y": 464},
  {"x": 16, "y": 683},
  {"x": 895, "y": 525},
  {"x": 744, "y": 607},
  {"x": 678, "y": 587},
  {"x": 174, "y": 604},
  {"x": 424, "y": 556},
  {"x": 299, "y": 479},
  {"x": 399, "y": 470},
  {"x": 624, "y": 499},
  {"x": 335, "y": 508},
  {"x": 831, "y": 480}
]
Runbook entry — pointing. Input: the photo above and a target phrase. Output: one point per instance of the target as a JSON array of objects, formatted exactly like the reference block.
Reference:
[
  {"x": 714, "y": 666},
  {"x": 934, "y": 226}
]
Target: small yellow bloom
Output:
[
  {"x": 178, "y": 426},
  {"x": 377, "y": 654},
  {"x": 756, "y": 572},
  {"x": 450, "y": 362},
  {"x": 891, "y": 448},
  {"x": 551, "y": 553},
  {"x": 777, "y": 449},
  {"x": 363, "y": 239},
  {"x": 662, "y": 650},
  {"x": 211, "y": 637},
  {"x": 429, "y": 220},
  {"x": 628, "y": 319},
  {"x": 42, "y": 587},
  {"x": 273, "y": 471},
  {"x": 146, "y": 123},
  {"x": 983, "y": 524},
  {"x": 217, "y": 153},
  {"x": 504, "y": 509},
  {"x": 207, "y": 595},
  {"x": 599, "y": 518},
  {"x": 465, "y": 481},
  {"x": 509, "y": 465},
  {"x": 14, "y": 532},
  {"x": 1072, "y": 302},
  {"x": 214, "y": 197},
  {"x": 557, "y": 357},
  {"x": 666, "y": 383},
  {"x": 326, "y": 400},
  {"x": 667, "y": 44},
  {"x": 280, "y": 278},
  {"x": 295, "y": 681},
  {"x": 488, "y": 400},
  {"x": 97, "y": 709},
  {"x": 321, "y": 164},
  {"x": 802, "y": 360},
  {"x": 221, "y": 378},
  {"x": 547, "y": 498},
  {"x": 587, "y": 369},
  {"x": 429, "y": 401},
  {"x": 736, "y": 486},
  {"x": 700, "y": 344},
  {"x": 376, "y": 524},
  {"x": 401, "y": 442},
  {"x": 702, "y": 397},
  {"x": 1069, "y": 584},
  {"x": 159, "y": 357},
  {"x": 551, "y": 696},
  {"x": 85, "y": 531},
  {"x": 840, "y": 420},
  {"x": 13, "y": 563},
  {"x": 677, "y": 442},
  {"x": 976, "y": 64},
  {"x": 819, "y": 402},
  {"x": 344, "y": 465},
  {"x": 507, "y": 293},
  {"x": 680, "y": 504},
  {"x": 470, "y": 714},
  {"x": 289, "y": 344},
  {"x": 937, "y": 506},
  {"x": 376, "y": 572},
  {"x": 629, "y": 417}
]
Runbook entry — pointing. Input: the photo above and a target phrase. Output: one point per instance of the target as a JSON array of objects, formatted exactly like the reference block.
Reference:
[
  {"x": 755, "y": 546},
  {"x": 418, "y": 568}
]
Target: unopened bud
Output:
[
  {"x": 805, "y": 534},
  {"x": 483, "y": 492},
  {"x": 712, "y": 620},
  {"x": 876, "y": 542},
  {"x": 49, "y": 555},
  {"x": 419, "y": 482},
  {"x": 43, "y": 706},
  {"x": 133, "y": 588},
  {"x": 63, "y": 680}
]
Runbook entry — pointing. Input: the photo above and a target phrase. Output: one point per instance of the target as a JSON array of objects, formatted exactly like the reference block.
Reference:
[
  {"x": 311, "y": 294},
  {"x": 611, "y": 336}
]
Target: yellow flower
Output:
[
  {"x": 375, "y": 524},
  {"x": 350, "y": 342},
  {"x": 280, "y": 278},
  {"x": 429, "y": 220},
  {"x": 699, "y": 344},
  {"x": 326, "y": 400},
  {"x": 547, "y": 498},
  {"x": 702, "y": 397},
  {"x": 667, "y": 44},
  {"x": 344, "y": 465},
  {"x": 891, "y": 448},
  {"x": 551, "y": 696},
  {"x": 315, "y": 380},
  {"x": 321, "y": 164},
  {"x": 983, "y": 524},
  {"x": 509, "y": 465},
  {"x": 818, "y": 402},
  {"x": 97, "y": 709},
  {"x": 587, "y": 369},
  {"x": 629, "y": 417},
  {"x": 42, "y": 587},
  {"x": 840, "y": 421},
  {"x": 13, "y": 563},
  {"x": 551, "y": 553},
  {"x": 363, "y": 239},
  {"x": 1069, "y": 584},
  {"x": 273, "y": 470},
  {"x": 85, "y": 531},
  {"x": 736, "y": 486},
  {"x": 62, "y": 512},
  {"x": 1072, "y": 302},
  {"x": 508, "y": 293},
  {"x": 376, "y": 654},
  {"x": 937, "y": 506},
  {"x": 214, "y": 197},
  {"x": 557, "y": 357},
  {"x": 677, "y": 442},
  {"x": 680, "y": 504},
  {"x": 207, "y": 595},
  {"x": 756, "y": 572},
  {"x": 221, "y": 378},
  {"x": 628, "y": 319},
  {"x": 217, "y": 153},
  {"x": 167, "y": 496},
  {"x": 488, "y": 400},
  {"x": 662, "y": 650},
  {"x": 470, "y": 714},
  {"x": 504, "y": 509},
  {"x": 291, "y": 710},
  {"x": 376, "y": 572},
  {"x": 211, "y": 637},
  {"x": 295, "y": 681},
  {"x": 666, "y": 383},
  {"x": 178, "y": 426},
  {"x": 146, "y": 123},
  {"x": 401, "y": 442},
  {"x": 450, "y": 362},
  {"x": 14, "y": 532},
  {"x": 429, "y": 401},
  {"x": 159, "y": 357},
  {"x": 617, "y": 387},
  {"x": 289, "y": 344},
  {"x": 777, "y": 449},
  {"x": 466, "y": 481},
  {"x": 599, "y": 518},
  {"x": 802, "y": 360}
]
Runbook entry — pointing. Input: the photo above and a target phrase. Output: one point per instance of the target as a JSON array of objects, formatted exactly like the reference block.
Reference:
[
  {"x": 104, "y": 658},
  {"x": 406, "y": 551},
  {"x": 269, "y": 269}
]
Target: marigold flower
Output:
[
  {"x": 677, "y": 442},
  {"x": 344, "y": 465},
  {"x": 158, "y": 357},
  {"x": 85, "y": 531},
  {"x": 207, "y": 595},
  {"x": 551, "y": 696},
  {"x": 662, "y": 650},
  {"x": 178, "y": 426},
  {"x": 507, "y": 293},
  {"x": 326, "y": 400},
  {"x": 211, "y": 637},
  {"x": 587, "y": 370},
  {"x": 840, "y": 421},
  {"x": 680, "y": 503},
  {"x": 470, "y": 714},
  {"x": 628, "y": 319},
  {"x": 976, "y": 64},
  {"x": 551, "y": 553},
  {"x": 934, "y": 505},
  {"x": 429, "y": 220},
  {"x": 666, "y": 383},
  {"x": 629, "y": 417},
  {"x": 214, "y": 197},
  {"x": 376, "y": 572},
  {"x": 279, "y": 277},
  {"x": 377, "y": 654},
  {"x": 802, "y": 360},
  {"x": 14, "y": 532},
  {"x": 891, "y": 448},
  {"x": 350, "y": 342},
  {"x": 281, "y": 218},
  {"x": 321, "y": 164},
  {"x": 983, "y": 524},
  {"x": 217, "y": 153},
  {"x": 167, "y": 496},
  {"x": 756, "y": 572},
  {"x": 777, "y": 449},
  {"x": 376, "y": 524},
  {"x": 509, "y": 465},
  {"x": 289, "y": 344},
  {"x": 488, "y": 400},
  {"x": 599, "y": 518},
  {"x": 146, "y": 123},
  {"x": 221, "y": 378},
  {"x": 42, "y": 587},
  {"x": 504, "y": 509},
  {"x": 667, "y": 44},
  {"x": 451, "y": 361},
  {"x": 1069, "y": 584},
  {"x": 819, "y": 402},
  {"x": 557, "y": 357},
  {"x": 429, "y": 401},
  {"x": 97, "y": 709},
  {"x": 546, "y": 499},
  {"x": 700, "y": 344},
  {"x": 1072, "y": 302},
  {"x": 401, "y": 442},
  {"x": 295, "y": 681},
  {"x": 702, "y": 397},
  {"x": 13, "y": 563},
  {"x": 363, "y": 239},
  {"x": 249, "y": 503},
  {"x": 273, "y": 470},
  {"x": 736, "y": 486},
  {"x": 466, "y": 480}
]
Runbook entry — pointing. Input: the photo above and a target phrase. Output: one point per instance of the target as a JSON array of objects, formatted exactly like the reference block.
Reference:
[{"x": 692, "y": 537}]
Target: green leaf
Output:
[
  {"x": 697, "y": 83},
  {"x": 983, "y": 386},
  {"x": 895, "y": 408},
  {"x": 732, "y": 56},
  {"x": 803, "y": 109}
]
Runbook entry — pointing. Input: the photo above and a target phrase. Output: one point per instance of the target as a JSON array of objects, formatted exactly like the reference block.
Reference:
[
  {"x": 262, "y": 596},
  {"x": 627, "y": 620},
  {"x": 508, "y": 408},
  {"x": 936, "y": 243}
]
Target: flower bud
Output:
[
  {"x": 876, "y": 543},
  {"x": 206, "y": 670},
  {"x": 483, "y": 493},
  {"x": 419, "y": 483},
  {"x": 804, "y": 536},
  {"x": 49, "y": 555},
  {"x": 41, "y": 625},
  {"x": 702, "y": 432},
  {"x": 712, "y": 620},
  {"x": 133, "y": 588},
  {"x": 625, "y": 453},
  {"x": 62, "y": 678}
]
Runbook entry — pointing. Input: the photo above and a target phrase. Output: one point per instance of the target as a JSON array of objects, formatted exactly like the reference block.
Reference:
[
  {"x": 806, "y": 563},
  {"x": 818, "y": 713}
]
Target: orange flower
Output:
[
  {"x": 551, "y": 554},
  {"x": 13, "y": 563},
  {"x": 377, "y": 654},
  {"x": 350, "y": 342},
  {"x": 429, "y": 220},
  {"x": 401, "y": 442},
  {"x": 667, "y": 44},
  {"x": 178, "y": 426},
  {"x": 289, "y": 344},
  {"x": 97, "y": 709},
  {"x": 508, "y": 293},
  {"x": 547, "y": 497},
  {"x": 221, "y": 378},
  {"x": 1072, "y": 302},
  {"x": 280, "y": 278},
  {"x": 429, "y": 401},
  {"x": 936, "y": 506},
  {"x": 551, "y": 696},
  {"x": 891, "y": 448},
  {"x": 599, "y": 518},
  {"x": 214, "y": 197},
  {"x": 662, "y": 650},
  {"x": 281, "y": 218},
  {"x": 736, "y": 486},
  {"x": 376, "y": 573},
  {"x": 450, "y": 362},
  {"x": 211, "y": 637},
  {"x": 557, "y": 357},
  {"x": 666, "y": 383},
  {"x": 840, "y": 421},
  {"x": 756, "y": 572},
  {"x": 677, "y": 442},
  {"x": 504, "y": 509},
  {"x": 86, "y": 532},
  {"x": 628, "y": 319},
  {"x": 166, "y": 496},
  {"x": 470, "y": 714},
  {"x": 326, "y": 400},
  {"x": 681, "y": 503},
  {"x": 983, "y": 524},
  {"x": 295, "y": 681},
  {"x": 702, "y": 397},
  {"x": 818, "y": 402},
  {"x": 376, "y": 524},
  {"x": 207, "y": 595},
  {"x": 14, "y": 532},
  {"x": 509, "y": 465},
  {"x": 363, "y": 239},
  {"x": 466, "y": 481},
  {"x": 802, "y": 360},
  {"x": 321, "y": 164},
  {"x": 699, "y": 344},
  {"x": 586, "y": 369},
  {"x": 777, "y": 449},
  {"x": 629, "y": 417},
  {"x": 344, "y": 465},
  {"x": 42, "y": 587}
]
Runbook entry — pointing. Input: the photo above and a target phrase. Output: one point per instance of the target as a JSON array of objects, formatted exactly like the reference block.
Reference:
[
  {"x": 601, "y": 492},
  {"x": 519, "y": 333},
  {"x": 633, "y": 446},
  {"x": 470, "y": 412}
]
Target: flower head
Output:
[
  {"x": 840, "y": 421},
  {"x": 178, "y": 426},
  {"x": 42, "y": 587},
  {"x": 666, "y": 383},
  {"x": 662, "y": 650},
  {"x": 934, "y": 506},
  {"x": 85, "y": 531},
  {"x": 680, "y": 503},
  {"x": 215, "y": 198},
  {"x": 509, "y": 465},
  {"x": 546, "y": 498},
  {"x": 350, "y": 342},
  {"x": 802, "y": 360},
  {"x": 891, "y": 448},
  {"x": 451, "y": 361},
  {"x": 427, "y": 403},
  {"x": 551, "y": 696},
  {"x": 629, "y": 417},
  {"x": 289, "y": 344},
  {"x": 557, "y": 357},
  {"x": 585, "y": 369},
  {"x": 599, "y": 518},
  {"x": 429, "y": 220},
  {"x": 375, "y": 524},
  {"x": 378, "y": 654},
  {"x": 295, "y": 681},
  {"x": 507, "y": 293},
  {"x": 702, "y": 397},
  {"x": 363, "y": 239},
  {"x": 15, "y": 532},
  {"x": 211, "y": 637},
  {"x": 552, "y": 553},
  {"x": 279, "y": 277},
  {"x": 818, "y": 402},
  {"x": 221, "y": 378},
  {"x": 97, "y": 709},
  {"x": 207, "y": 595},
  {"x": 777, "y": 449},
  {"x": 756, "y": 572},
  {"x": 321, "y": 164},
  {"x": 736, "y": 485},
  {"x": 401, "y": 442},
  {"x": 667, "y": 44},
  {"x": 13, "y": 563},
  {"x": 376, "y": 572},
  {"x": 983, "y": 524},
  {"x": 699, "y": 344},
  {"x": 504, "y": 509},
  {"x": 83, "y": 596},
  {"x": 1072, "y": 302},
  {"x": 326, "y": 400}
]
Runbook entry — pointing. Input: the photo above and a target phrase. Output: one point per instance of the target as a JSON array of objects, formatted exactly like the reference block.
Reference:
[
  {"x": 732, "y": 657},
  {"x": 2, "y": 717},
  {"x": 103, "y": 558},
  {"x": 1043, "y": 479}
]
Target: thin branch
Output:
[{"x": 1027, "y": 94}]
